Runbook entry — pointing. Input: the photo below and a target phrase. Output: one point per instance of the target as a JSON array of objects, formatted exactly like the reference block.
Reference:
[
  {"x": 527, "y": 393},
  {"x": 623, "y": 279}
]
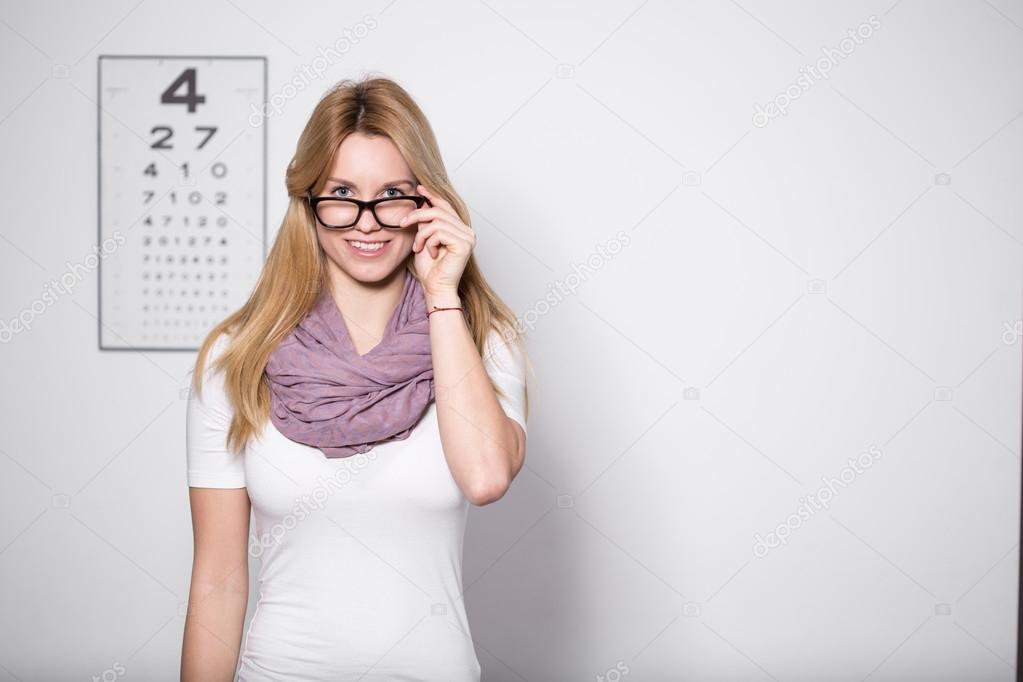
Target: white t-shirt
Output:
[{"x": 361, "y": 557}]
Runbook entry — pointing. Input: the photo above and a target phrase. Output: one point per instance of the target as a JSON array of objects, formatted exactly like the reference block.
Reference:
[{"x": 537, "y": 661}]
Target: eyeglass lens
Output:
[{"x": 344, "y": 213}]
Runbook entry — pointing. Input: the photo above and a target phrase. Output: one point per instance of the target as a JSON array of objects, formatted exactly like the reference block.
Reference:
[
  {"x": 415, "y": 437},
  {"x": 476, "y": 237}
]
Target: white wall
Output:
[{"x": 792, "y": 295}]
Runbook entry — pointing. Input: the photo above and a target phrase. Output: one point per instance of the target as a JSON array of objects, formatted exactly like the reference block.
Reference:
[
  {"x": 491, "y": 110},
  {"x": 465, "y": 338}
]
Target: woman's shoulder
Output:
[
  {"x": 506, "y": 363},
  {"x": 210, "y": 369},
  {"x": 218, "y": 346},
  {"x": 504, "y": 350}
]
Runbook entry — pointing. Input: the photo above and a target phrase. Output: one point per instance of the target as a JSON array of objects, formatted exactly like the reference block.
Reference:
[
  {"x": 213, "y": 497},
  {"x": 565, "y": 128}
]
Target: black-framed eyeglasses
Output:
[{"x": 340, "y": 213}]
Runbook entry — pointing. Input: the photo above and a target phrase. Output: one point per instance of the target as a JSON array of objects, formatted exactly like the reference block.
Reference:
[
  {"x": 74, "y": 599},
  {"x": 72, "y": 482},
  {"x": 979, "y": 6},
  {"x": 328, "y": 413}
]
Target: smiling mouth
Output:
[{"x": 368, "y": 246}]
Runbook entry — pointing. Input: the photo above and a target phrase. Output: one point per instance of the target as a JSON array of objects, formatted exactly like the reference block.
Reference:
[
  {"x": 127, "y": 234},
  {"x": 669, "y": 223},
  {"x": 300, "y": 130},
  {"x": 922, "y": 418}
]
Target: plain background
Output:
[{"x": 845, "y": 277}]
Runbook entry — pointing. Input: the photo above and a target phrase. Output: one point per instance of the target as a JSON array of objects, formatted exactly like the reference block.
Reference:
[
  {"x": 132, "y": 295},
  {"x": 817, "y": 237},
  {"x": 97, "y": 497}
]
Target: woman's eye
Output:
[{"x": 396, "y": 192}]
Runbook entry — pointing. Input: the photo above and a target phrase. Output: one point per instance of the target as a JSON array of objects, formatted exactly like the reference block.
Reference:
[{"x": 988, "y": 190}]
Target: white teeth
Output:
[{"x": 368, "y": 246}]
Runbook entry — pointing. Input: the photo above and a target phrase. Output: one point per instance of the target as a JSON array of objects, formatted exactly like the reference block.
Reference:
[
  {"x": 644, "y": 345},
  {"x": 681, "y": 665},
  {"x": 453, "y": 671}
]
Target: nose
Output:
[{"x": 367, "y": 222}]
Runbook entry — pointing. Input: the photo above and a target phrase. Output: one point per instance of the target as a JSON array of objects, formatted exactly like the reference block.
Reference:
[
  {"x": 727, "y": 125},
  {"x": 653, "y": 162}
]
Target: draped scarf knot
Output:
[{"x": 324, "y": 394}]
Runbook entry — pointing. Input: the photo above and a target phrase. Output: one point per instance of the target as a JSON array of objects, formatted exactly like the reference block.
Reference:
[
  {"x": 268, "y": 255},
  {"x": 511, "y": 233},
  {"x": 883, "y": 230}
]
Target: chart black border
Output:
[{"x": 99, "y": 180}]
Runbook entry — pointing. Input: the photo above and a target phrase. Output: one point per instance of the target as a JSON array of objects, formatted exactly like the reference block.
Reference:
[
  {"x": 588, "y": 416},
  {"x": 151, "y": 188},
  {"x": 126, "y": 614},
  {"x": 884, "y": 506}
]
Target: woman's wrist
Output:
[{"x": 442, "y": 299}]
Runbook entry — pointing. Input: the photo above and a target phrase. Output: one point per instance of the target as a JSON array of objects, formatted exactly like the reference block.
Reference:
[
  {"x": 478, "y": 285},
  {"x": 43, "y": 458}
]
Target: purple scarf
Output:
[{"x": 324, "y": 394}]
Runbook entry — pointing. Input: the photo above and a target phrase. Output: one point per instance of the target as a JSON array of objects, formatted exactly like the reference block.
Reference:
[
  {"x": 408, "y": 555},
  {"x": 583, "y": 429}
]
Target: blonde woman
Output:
[{"x": 372, "y": 386}]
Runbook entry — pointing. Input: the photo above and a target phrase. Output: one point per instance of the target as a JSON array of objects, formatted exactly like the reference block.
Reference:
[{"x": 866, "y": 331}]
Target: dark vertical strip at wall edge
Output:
[
  {"x": 1019, "y": 592},
  {"x": 99, "y": 200},
  {"x": 266, "y": 147}
]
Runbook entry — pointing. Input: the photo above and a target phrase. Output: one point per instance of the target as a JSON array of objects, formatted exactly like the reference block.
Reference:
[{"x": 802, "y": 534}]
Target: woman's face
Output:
[{"x": 368, "y": 168}]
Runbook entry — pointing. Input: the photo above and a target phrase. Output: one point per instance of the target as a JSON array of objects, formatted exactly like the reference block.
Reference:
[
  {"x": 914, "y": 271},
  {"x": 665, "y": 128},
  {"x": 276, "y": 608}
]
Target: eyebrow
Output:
[{"x": 351, "y": 184}]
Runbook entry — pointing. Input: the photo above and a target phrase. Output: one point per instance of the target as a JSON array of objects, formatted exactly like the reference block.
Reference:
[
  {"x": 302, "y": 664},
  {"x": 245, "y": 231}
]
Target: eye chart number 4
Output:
[{"x": 182, "y": 195}]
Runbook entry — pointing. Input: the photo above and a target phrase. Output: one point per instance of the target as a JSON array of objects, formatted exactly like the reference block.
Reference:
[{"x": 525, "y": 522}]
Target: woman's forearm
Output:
[
  {"x": 482, "y": 447},
  {"x": 214, "y": 625}
]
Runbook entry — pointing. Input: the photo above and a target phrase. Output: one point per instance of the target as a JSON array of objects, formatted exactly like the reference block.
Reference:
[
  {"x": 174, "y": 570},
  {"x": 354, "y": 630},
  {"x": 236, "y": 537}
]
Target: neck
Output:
[{"x": 366, "y": 306}]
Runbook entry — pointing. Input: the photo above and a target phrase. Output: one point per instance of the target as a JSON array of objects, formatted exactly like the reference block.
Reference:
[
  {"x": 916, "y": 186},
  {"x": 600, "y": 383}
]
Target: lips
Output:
[{"x": 380, "y": 247}]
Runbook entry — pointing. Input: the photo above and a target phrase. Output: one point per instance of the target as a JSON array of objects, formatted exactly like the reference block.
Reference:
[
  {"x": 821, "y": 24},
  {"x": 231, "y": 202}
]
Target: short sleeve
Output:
[
  {"x": 208, "y": 416},
  {"x": 505, "y": 362}
]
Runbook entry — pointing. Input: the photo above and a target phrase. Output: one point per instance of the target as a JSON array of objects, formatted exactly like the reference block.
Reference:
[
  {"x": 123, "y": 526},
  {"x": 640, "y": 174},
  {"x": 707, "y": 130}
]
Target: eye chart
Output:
[{"x": 182, "y": 195}]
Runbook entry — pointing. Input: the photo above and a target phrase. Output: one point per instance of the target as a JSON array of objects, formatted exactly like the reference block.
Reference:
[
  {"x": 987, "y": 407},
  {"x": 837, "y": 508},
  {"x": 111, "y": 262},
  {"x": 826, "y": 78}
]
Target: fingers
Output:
[
  {"x": 440, "y": 210},
  {"x": 423, "y": 214},
  {"x": 438, "y": 234},
  {"x": 434, "y": 243},
  {"x": 429, "y": 234},
  {"x": 435, "y": 198}
]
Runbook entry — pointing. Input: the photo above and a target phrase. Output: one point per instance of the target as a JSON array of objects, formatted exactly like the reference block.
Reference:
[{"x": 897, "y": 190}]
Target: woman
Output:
[{"x": 370, "y": 388}]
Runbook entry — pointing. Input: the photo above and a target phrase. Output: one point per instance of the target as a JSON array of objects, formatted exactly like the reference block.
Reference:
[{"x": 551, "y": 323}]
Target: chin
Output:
[{"x": 374, "y": 274}]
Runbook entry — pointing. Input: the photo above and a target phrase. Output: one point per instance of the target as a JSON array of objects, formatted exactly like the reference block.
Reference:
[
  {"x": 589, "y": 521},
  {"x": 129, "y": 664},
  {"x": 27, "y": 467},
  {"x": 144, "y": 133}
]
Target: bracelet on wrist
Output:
[{"x": 436, "y": 309}]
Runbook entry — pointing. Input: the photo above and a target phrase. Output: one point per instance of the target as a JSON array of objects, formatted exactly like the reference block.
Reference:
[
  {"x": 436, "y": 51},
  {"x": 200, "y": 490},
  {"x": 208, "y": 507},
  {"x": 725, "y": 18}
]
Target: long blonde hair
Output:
[{"x": 296, "y": 269}]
